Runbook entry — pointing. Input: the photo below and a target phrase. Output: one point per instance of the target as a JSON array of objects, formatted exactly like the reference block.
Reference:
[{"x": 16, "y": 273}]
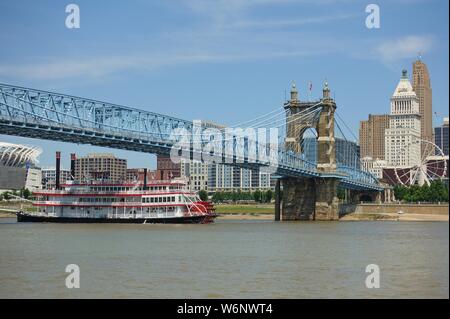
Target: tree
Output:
[
  {"x": 203, "y": 195},
  {"x": 340, "y": 193},
  {"x": 6, "y": 195},
  {"x": 268, "y": 196},
  {"x": 26, "y": 193},
  {"x": 436, "y": 192},
  {"x": 257, "y": 196},
  {"x": 439, "y": 191},
  {"x": 218, "y": 197}
]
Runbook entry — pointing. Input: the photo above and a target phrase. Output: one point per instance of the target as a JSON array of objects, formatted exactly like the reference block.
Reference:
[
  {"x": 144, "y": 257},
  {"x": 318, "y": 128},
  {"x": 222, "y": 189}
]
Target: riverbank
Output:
[
  {"x": 361, "y": 212},
  {"x": 395, "y": 211},
  {"x": 5, "y": 214},
  {"x": 9, "y": 208},
  {"x": 395, "y": 217},
  {"x": 245, "y": 209},
  {"x": 245, "y": 212}
]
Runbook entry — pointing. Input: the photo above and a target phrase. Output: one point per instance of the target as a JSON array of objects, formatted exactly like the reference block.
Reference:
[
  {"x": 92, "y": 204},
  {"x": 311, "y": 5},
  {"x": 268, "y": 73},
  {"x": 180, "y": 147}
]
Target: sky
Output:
[{"x": 225, "y": 61}]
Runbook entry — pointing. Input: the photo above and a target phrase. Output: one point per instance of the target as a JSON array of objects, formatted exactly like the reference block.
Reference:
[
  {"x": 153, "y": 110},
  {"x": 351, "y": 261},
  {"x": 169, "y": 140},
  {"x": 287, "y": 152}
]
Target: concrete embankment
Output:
[
  {"x": 7, "y": 214},
  {"x": 400, "y": 212}
]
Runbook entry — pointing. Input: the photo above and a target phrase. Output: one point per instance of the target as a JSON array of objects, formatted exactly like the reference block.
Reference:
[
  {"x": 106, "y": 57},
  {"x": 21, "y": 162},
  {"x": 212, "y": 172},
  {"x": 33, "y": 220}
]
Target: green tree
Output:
[
  {"x": 257, "y": 196},
  {"x": 203, "y": 195},
  {"x": 6, "y": 195},
  {"x": 218, "y": 197},
  {"x": 399, "y": 192},
  {"x": 26, "y": 193},
  {"x": 340, "y": 193},
  {"x": 437, "y": 191},
  {"x": 268, "y": 196},
  {"x": 228, "y": 196}
]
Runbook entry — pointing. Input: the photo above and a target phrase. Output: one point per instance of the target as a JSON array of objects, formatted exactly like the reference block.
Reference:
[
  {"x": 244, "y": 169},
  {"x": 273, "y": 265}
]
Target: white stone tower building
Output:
[{"x": 402, "y": 138}]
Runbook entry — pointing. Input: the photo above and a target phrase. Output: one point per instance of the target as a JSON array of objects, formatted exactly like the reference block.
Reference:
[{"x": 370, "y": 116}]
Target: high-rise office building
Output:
[
  {"x": 422, "y": 87},
  {"x": 166, "y": 169},
  {"x": 441, "y": 137},
  {"x": 196, "y": 173},
  {"x": 49, "y": 177},
  {"x": 403, "y": 134},
  {"x": 227, "y": 178},
  {"x": 99, "y": 166},
  {"x": 371, "y": 136}
]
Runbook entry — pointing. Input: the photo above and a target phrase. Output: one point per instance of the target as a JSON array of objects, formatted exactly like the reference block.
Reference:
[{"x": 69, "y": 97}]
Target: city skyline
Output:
[{"x": 360, "y": 64}]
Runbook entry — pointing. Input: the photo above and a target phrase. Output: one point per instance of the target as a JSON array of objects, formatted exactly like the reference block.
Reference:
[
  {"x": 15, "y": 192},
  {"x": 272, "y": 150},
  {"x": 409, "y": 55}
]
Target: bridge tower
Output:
[{"x": 311, "y": 198}]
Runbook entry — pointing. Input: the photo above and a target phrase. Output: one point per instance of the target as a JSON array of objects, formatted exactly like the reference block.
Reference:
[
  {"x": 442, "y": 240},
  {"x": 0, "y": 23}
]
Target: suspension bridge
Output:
[{"x": 309, "y": 185}]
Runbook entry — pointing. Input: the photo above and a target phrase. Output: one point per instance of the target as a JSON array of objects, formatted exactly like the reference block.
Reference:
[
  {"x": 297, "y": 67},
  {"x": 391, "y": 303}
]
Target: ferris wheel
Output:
[{"x": 431, "y": 164}]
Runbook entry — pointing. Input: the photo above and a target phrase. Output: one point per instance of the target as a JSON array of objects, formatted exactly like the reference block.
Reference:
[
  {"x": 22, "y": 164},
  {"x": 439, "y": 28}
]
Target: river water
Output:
[{"x": 227, "y": 259}]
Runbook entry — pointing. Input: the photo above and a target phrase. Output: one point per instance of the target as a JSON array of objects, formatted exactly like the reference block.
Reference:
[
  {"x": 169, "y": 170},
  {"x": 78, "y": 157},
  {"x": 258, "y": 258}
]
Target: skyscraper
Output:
[
  {"x": 100, "y": 166},
  {"x": 402, "y": 149},
  {"x": 371, "y": 136},
  {"x": 422, "y": 86}
]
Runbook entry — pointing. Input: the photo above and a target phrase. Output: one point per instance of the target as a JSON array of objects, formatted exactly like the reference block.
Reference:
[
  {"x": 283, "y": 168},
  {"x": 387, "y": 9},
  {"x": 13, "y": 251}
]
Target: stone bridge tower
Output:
[{"x": 311, "y": 198}]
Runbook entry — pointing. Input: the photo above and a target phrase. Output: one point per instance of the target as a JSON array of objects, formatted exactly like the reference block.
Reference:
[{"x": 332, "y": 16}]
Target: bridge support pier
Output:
[
  {"x": 278, "y": 200},
  {"x": 310, "y": 199},
  {"x": 327, "y": 203}
]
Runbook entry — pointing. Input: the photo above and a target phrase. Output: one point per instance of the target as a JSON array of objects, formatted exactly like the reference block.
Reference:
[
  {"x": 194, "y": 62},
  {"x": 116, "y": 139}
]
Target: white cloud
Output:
[
  {"x": 290, "y": 22},
  {"x": 67, "y": 68},
  {"x": 223, "y": 12},
  {"x": 405, "y": 47},
  {"x": 98, "y": 67}
]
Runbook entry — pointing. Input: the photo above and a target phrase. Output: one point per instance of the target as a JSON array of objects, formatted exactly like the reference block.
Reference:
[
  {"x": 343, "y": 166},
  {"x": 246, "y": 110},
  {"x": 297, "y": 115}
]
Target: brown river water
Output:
[{"x": 227, "y": 259}]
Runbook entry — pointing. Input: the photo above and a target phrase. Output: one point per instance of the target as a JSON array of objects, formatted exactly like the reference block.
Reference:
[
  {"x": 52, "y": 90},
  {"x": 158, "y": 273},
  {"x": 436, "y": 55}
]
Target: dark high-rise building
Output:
[
  {"x": 372, "y": 136},
  {"x": 441, "y": 137},
  {"x": 422, "y": 87}
]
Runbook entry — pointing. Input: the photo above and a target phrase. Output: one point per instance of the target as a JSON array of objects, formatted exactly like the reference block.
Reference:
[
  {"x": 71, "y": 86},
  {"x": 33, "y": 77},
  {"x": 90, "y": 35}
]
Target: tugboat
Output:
[{"x": 159, "y": 202}]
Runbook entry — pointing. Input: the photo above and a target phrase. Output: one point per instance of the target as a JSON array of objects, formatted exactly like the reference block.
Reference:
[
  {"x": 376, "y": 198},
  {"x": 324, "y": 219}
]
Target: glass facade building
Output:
[
  {"x": 347, "y": 152},
  {"x": 441, "y": 137}
]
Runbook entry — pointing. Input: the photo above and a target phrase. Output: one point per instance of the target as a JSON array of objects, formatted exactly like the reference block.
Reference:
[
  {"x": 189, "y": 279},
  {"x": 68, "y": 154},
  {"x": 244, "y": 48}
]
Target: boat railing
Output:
[
  {"x": 87, "y": 204},
  {"x": 109, "y": 204},
  {"x": 115, "y": 193},
  {"x": 141, "y": 215},
  {"x": 122, "y": 182}
]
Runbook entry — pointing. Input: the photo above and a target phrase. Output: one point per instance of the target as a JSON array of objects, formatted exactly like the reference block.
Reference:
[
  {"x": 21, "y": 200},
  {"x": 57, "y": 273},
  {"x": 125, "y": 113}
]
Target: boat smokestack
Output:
[
  {"x": 145, "y": 179},
  {"x": 58, "y": 170},
  {"x": 73, "y": 157}
]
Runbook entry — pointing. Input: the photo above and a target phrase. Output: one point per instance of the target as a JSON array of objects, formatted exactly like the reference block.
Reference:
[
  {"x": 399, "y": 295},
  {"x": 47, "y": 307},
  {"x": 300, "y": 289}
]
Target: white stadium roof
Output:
[{"x": 18, "y": 155}]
